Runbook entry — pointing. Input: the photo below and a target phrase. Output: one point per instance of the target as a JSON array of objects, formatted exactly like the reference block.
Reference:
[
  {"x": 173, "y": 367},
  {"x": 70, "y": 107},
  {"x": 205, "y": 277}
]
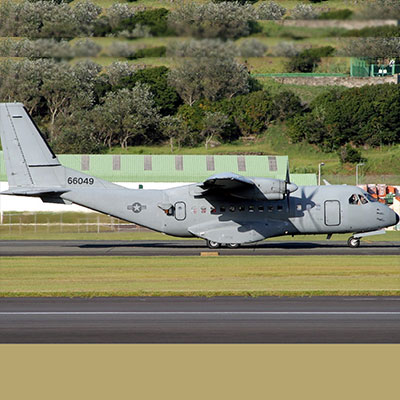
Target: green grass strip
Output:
[{"x": 198, "y": 276}]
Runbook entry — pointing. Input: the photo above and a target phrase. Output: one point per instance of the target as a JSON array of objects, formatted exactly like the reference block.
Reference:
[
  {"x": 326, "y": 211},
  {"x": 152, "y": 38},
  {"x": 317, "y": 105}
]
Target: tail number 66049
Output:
[{"x": 80, "y": 181}]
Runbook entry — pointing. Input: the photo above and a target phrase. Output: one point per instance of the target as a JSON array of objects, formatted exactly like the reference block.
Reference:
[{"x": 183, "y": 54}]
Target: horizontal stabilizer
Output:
[{"x": 34, "y": 191}]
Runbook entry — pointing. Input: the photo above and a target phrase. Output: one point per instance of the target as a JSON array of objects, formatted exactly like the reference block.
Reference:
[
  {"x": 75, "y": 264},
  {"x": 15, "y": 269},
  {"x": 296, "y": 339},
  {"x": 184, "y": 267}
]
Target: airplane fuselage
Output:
[{"x": 310, "y": 210}]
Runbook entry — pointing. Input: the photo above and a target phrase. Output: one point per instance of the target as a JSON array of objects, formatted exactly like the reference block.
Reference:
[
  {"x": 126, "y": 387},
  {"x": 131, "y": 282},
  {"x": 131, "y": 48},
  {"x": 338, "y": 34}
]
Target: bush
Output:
[
  {"x": 348, "y": 154},
  {"x": 270, "y": 11},
  {"x": 305, "y": 11},
  {"x": 252, "y": 48},
  {"x": 210, "y": 20},
  {"x": 372, "y": 48},
  {"x": 374, "y": 31},
  {"x": 241, "y": 2},
  {"x": 380, "y": 9},
  {"x": 336, "y": 14},
  {"x": 151, "y": 52},
  {"x": 202, "y": 48},
  {"x": 308, "y": 59},
  {"x": 155, "y": 20}
]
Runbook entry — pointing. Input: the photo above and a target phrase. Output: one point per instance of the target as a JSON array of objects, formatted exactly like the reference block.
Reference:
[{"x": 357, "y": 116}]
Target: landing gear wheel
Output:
[
  {"x": 213, "y": 245},
  {"x": 353, "y": 242},
  {"x": 233, "y": 245}
]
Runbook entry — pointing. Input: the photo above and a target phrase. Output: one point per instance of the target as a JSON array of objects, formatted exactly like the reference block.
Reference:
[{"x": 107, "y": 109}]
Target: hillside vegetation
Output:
[{"x": 158, "y": 76}]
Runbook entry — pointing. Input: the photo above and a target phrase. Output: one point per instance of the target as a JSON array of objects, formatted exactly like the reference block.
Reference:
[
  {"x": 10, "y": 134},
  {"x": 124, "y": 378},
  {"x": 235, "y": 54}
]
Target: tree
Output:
[
  {"x": 174, "y": 129},
  {"x": 380, "y": 9},
  {"x": 214, "y": 124},
  {"x": 226, "y": 20},
  {"x": 128, "y": 116},
  {"x": 270, "y": 11},
  {"x": 211, "y": 78},
  {"x": 166, "y": 97}
]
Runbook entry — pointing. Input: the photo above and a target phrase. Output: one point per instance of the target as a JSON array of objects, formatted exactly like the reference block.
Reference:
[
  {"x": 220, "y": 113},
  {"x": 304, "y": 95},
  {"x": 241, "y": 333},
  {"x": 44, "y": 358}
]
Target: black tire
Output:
[
  {"x": 353, "y": 242},
  {"x": 213, "y": 245},
  {"x": 233, "y": 245}
]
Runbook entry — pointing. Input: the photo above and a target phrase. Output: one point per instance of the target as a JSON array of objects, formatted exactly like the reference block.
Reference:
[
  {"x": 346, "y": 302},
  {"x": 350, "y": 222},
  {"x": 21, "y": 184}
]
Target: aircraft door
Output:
[
  {"x": 180, "y": 211},
  {"x": 332, "y": 212}
]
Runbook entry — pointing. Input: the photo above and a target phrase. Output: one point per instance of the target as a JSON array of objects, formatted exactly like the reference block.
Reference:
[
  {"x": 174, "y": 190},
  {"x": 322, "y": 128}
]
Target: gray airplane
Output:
[{"x": 225, "y": 209}]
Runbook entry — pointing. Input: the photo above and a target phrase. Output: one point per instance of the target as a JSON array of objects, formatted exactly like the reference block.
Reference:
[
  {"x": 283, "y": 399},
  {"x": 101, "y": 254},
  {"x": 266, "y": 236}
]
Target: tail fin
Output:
[{"x": 29, "y": 160}]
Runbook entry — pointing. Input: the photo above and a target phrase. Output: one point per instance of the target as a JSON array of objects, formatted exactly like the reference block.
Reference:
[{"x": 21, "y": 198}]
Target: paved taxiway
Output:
[
  {"x": 200, "y": 320},
  {"x": 33, "y": 248}
]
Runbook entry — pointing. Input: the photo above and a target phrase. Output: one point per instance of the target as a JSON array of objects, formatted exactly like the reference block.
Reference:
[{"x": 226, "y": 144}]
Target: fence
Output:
[{"x": 64, "y": 223}]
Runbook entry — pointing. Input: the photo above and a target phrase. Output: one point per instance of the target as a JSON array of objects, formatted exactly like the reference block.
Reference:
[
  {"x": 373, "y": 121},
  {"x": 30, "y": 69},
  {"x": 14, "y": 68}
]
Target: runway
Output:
[
  {"x": 32, "y": 248},
  {"x": 200, "y": 320}
]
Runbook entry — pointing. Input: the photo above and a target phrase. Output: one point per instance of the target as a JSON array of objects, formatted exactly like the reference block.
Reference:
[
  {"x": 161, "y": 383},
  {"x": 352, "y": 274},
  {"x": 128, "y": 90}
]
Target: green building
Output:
[{"x": 176, "y": 168}]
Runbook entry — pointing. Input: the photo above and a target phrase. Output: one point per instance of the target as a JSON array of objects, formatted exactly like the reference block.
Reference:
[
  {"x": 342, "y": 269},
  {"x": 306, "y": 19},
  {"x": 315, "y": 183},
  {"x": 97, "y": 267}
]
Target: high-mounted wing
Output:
[
  {"x": 243, "y": 187},
  {"x": 227, "y": 181}
]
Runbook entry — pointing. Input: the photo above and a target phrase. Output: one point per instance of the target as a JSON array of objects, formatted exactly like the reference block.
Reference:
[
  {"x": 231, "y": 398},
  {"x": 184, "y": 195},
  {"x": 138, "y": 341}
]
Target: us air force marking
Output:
[{"x": 136, "y": 207}]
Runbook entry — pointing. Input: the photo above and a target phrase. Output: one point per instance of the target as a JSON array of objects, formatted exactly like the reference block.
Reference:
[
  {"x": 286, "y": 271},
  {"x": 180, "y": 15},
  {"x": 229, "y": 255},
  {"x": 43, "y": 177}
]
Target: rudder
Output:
[{"x": 29, "y": 160}]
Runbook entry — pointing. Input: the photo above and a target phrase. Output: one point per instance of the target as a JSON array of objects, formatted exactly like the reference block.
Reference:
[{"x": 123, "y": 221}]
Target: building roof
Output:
[{"x": 175, "y": 168}]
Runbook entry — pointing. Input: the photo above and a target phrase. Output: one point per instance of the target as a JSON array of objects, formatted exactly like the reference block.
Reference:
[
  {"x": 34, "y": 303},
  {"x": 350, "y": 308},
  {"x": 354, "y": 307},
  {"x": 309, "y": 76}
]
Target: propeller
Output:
[{"x": 290, "y": 187}]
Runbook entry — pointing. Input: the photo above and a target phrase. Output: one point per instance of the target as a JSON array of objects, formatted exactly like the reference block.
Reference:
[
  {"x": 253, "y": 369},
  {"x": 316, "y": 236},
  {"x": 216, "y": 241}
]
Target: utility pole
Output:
[
  {"x": 358, "y": 165},
  {"x": 319, "y": 172}
]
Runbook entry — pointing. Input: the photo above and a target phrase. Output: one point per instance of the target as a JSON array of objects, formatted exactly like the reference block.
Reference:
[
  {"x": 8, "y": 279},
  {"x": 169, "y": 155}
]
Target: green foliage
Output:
[
  {"x": 165, "y": 96},
  {"x": 308, "y": 59},
  {"x": 248, "y": 115},
  {"x": 155, "y": 19},
  {"x": 387, "y": 31},
  {"x": 236, "y": 1},
  {"x": 366, "y": 115},
  {"x": 336, "y": 14},
  {"x": 348, "y": 154},
  {"x": 102, "y": 26},
  {"x": 151, "y": 52}
]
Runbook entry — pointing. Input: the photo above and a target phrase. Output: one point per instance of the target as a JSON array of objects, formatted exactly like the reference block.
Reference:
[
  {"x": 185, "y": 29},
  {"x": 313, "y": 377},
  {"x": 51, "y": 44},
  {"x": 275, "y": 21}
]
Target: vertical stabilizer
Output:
[{"x": 29, "y": 160}]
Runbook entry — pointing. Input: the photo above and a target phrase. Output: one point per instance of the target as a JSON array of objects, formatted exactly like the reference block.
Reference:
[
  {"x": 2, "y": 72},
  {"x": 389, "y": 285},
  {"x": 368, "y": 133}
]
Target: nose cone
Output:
[
  {"x": 393, "y": 218},
  {"x": 291, "y": 187}
]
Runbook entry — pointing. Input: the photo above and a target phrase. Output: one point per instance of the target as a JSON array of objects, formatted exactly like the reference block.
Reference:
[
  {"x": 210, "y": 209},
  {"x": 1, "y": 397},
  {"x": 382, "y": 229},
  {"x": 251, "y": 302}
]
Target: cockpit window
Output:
[
  {"x": 362, "y": 199},
  {"x": 353, "y": 199}
]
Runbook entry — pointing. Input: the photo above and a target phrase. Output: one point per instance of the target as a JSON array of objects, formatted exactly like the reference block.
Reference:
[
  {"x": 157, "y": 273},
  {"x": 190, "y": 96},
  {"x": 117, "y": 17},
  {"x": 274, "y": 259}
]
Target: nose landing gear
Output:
[{"x": 353, "y": 242}]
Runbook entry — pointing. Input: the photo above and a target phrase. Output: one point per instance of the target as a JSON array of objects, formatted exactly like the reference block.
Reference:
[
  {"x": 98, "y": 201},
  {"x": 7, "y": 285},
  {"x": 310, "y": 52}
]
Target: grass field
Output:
[{"x": 156, "y": 276}]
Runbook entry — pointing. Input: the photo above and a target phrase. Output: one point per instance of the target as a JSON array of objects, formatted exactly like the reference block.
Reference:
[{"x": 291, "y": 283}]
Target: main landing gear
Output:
[
  {"x": 215, "y": 245},
  {"x": 353, "y": 242}
]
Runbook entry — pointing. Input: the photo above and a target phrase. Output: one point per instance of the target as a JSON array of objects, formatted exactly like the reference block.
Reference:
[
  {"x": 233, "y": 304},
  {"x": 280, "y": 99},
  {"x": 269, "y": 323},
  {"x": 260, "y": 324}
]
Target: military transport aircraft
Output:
[{"x": 225, "y": 209}]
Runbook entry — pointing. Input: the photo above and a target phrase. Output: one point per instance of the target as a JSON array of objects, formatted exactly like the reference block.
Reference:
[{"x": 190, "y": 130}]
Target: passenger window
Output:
[
  {"x": 222, "y": 209},
  {"x": 298, "y": 207},
  {"x": 270, "y": 208},
  {"x": 280, "y": 208},
  {"x": 241, "y": 208},
  {"x": 251, "y": 208},
  {"x": 232, "y": 208},
  {"x": 203, "y": 210},
  {"x": 353, "y": 199},
  {"x": 261, "y": 208},
  {"x": 362, "y": 199},
  {"x": 213, "y": 210}
]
